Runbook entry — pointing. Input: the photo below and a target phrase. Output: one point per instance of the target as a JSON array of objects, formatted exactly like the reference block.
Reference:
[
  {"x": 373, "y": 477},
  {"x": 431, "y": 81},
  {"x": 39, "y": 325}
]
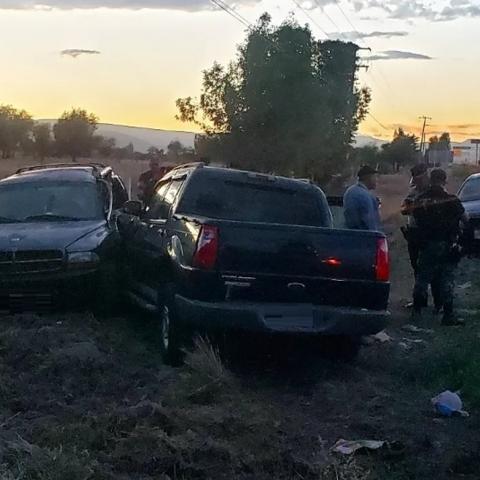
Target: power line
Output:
[
  {"x": 311, "y": 18},
  {"x": 360, "y": 39},
  {"x": 378, "y": 122},
  {"x": 330, "y": 19},
  {"x": 346, "y": 17},
  {"x": 226, "y": 8}
]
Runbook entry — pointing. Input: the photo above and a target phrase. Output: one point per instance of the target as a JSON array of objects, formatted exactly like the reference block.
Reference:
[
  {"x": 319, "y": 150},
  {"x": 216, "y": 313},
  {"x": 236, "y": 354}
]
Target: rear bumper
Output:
[{"x": 281, "y": 318}]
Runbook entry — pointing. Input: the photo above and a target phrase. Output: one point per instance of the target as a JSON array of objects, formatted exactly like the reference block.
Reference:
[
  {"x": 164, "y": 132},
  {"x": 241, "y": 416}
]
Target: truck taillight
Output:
[
  {"x": 382, "y": 265},
  {"x": 207, "y": 248}
]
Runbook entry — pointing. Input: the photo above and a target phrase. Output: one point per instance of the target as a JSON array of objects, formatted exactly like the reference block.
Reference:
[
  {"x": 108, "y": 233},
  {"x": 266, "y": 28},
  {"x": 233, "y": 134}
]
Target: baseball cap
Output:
[
  {"x": 438, "y": 175},
  {"x": 366, "y": 170},
  {"x": 419, "y": 169}
]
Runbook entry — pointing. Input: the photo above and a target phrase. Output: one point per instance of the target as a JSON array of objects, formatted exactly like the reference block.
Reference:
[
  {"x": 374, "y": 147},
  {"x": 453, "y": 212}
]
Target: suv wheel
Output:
[{"x": 170, "y": 337}]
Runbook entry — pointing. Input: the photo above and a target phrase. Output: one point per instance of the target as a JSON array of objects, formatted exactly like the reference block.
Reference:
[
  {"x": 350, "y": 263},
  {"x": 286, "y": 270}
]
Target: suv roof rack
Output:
[
  {"x": 189, "y": 165},
  {"x": 98, "y": 167}
]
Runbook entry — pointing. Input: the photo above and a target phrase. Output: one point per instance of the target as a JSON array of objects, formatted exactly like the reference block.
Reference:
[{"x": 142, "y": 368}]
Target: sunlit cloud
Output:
[
  {"x": 419, "y": 9},
  {"x": 376, "y": 34},
  {"x": 398, "y": 55},
  {"x": 76, "y": 52},
  {"x": 185, "y": 5}
]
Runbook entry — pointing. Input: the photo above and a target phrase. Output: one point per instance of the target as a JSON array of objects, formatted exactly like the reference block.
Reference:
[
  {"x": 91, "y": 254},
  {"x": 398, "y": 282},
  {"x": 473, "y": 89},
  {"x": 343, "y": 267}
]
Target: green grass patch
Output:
[{"x": 452, "y": 363}]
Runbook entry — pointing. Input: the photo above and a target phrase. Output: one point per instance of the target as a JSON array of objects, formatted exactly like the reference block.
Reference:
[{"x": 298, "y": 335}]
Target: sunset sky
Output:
[{"x": 128, "y": 60}]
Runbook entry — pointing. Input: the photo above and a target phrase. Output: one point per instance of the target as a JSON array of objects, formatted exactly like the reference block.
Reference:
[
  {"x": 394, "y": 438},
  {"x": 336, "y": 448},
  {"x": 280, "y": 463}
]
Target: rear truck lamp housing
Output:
[
  {"x": 382, "y": 264},
  {"x": 206, "y": 253}
]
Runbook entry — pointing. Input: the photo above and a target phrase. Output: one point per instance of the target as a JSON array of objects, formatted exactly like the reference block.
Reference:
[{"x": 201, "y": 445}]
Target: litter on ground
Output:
[
  {"x": 448, "y": 404},
  {"x": 414, "y": 329},
  {"x": 347, "y": 447}
]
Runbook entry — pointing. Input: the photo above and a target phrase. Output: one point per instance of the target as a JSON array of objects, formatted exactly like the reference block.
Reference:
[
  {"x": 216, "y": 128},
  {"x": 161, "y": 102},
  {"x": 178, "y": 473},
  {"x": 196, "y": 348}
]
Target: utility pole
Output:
[{"x": 423, "y": 139}]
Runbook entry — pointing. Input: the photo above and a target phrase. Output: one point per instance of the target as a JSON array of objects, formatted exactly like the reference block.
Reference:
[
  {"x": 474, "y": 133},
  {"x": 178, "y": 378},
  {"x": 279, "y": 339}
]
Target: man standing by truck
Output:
[
  {"x": 361, "y": 207},
  {"x": 437, "y": 216},
  {"x": 420, "y": 182}
]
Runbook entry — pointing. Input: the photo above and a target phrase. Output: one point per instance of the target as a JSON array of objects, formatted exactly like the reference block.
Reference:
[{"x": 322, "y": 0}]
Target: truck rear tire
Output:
[{"x": 173, "y": 336}]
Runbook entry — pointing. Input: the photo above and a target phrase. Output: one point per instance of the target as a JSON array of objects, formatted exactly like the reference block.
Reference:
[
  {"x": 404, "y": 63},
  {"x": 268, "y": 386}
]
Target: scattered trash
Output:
[
  {"x": 414, "y": 329},
  {"x": 347, "y": 447},
  {"x": 417, "y": 341},
  {"x": 408, "y": 305},
  {"x": 465, "y": 286},
  {"x": 405, "y": 346},
  {"x": 382, "y": 337},
  {"x": 448, "y": 404}
]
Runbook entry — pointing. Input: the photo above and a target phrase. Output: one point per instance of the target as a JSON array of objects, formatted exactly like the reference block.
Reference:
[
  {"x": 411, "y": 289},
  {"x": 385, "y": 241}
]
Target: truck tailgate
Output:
[{"x": 300, "y": 264}]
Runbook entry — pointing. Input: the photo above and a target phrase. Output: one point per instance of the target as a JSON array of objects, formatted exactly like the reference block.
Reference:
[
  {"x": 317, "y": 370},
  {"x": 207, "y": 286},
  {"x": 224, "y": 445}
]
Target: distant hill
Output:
[
  {"x": 141, "y": 138},
  {"x": 364, "y": 140},
  {"x": 144, "y": 138}
]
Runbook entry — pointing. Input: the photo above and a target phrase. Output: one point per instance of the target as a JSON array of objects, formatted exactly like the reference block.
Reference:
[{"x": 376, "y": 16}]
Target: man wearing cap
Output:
[
  {"x": 361, "y": 207},
  {"x": 420, "y": 182},
  {"x": 148, "y": 179},
  {"x": 437, "y": 216}
]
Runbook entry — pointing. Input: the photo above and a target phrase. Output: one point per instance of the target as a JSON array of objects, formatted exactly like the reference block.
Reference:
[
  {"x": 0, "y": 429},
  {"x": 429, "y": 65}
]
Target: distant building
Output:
[{"x": 466, "y": 153}]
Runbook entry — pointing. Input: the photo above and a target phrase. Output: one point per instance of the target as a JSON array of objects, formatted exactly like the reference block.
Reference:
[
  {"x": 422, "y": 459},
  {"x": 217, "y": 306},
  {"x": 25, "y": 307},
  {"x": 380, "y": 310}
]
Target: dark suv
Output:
[{"x": 58, "y": 235}]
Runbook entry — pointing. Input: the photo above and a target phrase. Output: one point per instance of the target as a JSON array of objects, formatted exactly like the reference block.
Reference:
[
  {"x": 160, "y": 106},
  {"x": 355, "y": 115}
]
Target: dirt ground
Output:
[{"x": 86, "y": 398}]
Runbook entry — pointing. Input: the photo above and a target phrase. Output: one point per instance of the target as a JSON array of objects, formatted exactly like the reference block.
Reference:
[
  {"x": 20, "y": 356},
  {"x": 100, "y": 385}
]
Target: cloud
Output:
[
  {"x": 375, "y": 34},
  {"x": 76, "y": 52},
  {"x": 398, "y": 55},
  {"x": 185, "y": 5},
  {"x": 422, "y": 9}
]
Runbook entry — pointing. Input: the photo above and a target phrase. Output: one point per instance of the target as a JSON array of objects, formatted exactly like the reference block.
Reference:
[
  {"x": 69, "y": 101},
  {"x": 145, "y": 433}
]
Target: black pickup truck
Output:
[{"x": 224, "y": 249}]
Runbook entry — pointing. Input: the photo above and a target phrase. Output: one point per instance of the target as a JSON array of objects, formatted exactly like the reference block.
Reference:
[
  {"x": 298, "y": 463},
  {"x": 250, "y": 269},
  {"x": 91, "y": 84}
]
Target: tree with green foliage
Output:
[
  {"x": 402, "y": 151},
  {"x": 75, "y": 133},
  {"x": 366, "y": 155},
  {"x": 42, "y": 140},
  {"x": 289, "y": 104},
  {"x": 15, "y": 128},
  {"x": 104, "y": 146},
  {"x": 440, "y": 143}
]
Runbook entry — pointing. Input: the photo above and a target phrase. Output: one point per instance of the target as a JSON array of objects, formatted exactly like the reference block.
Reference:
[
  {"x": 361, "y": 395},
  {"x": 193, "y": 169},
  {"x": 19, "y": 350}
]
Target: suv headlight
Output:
[{"x": 83, "y": 259}]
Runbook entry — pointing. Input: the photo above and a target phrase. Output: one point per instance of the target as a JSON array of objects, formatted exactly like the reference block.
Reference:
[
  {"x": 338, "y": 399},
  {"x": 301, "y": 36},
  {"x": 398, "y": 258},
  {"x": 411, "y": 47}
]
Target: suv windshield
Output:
[
  {"x": 50, "y": 201},
  {"x": 471, "y": 190},
  {"x": 234, "y": 197}
]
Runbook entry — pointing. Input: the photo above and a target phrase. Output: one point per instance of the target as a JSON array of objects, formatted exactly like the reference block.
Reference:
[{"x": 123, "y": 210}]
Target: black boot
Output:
[{"x": 449, "y": 318}]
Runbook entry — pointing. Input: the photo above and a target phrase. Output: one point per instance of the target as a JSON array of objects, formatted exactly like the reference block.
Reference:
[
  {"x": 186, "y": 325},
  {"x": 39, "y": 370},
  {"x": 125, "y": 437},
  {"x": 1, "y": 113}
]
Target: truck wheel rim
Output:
[{"x": 165, "y": 327}]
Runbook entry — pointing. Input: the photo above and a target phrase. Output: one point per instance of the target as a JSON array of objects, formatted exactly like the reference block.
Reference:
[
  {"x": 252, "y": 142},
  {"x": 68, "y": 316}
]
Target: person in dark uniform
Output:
[
  {"x": 438, "y": 216},
  {"x": 419, "y": 183},
  {"x": 148, "y": 179}
]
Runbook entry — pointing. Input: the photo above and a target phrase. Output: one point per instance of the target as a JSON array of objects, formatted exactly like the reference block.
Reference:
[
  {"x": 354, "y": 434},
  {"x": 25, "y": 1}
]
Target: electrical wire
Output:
[
  {"x": 307, "y": 14},
  {"x": 226, "y": 8}
]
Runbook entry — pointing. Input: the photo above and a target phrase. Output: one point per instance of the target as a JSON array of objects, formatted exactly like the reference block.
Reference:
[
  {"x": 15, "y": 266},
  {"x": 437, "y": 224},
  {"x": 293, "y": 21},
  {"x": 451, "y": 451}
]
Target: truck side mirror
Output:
[{"x": 132, "y": 207}]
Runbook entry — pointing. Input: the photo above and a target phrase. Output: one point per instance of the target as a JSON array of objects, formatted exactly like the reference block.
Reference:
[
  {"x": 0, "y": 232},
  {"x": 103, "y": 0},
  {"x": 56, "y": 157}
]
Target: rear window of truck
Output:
[{"x": 240, "y": 198}]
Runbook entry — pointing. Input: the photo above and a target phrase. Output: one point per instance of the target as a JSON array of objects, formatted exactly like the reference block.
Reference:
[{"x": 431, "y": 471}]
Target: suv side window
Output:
[
  {"x": 171, "y": 195},
  {"x": 155, "y": 207}
]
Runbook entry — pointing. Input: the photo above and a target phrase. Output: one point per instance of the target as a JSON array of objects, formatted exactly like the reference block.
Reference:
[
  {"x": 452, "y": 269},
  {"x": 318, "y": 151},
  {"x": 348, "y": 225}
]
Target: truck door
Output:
[{"x": 151, "y": 237}]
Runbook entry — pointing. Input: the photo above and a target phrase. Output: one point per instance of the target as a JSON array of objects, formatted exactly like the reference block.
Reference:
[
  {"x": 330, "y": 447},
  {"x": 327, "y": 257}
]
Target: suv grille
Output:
[{"x": 30, "y": 261}]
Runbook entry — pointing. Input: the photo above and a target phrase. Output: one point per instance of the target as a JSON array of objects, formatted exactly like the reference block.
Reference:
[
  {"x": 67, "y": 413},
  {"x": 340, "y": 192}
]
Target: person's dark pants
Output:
[
  {"x": 435, "y": 267},
  {"x": 413, "y": 252}
]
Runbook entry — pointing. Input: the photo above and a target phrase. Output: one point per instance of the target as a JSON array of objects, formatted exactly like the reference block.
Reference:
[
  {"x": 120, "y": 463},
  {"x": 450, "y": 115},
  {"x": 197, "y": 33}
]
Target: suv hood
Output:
[{"x": 45, "y": 235}]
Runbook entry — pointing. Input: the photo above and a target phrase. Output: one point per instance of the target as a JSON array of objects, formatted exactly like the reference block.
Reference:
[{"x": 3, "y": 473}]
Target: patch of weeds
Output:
[
  {"x": 30, "y": 462},
  {"x": 346, "y": 468},
  {"x": 204, "y": 379},
  {"x": 453, "y": 363}
]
